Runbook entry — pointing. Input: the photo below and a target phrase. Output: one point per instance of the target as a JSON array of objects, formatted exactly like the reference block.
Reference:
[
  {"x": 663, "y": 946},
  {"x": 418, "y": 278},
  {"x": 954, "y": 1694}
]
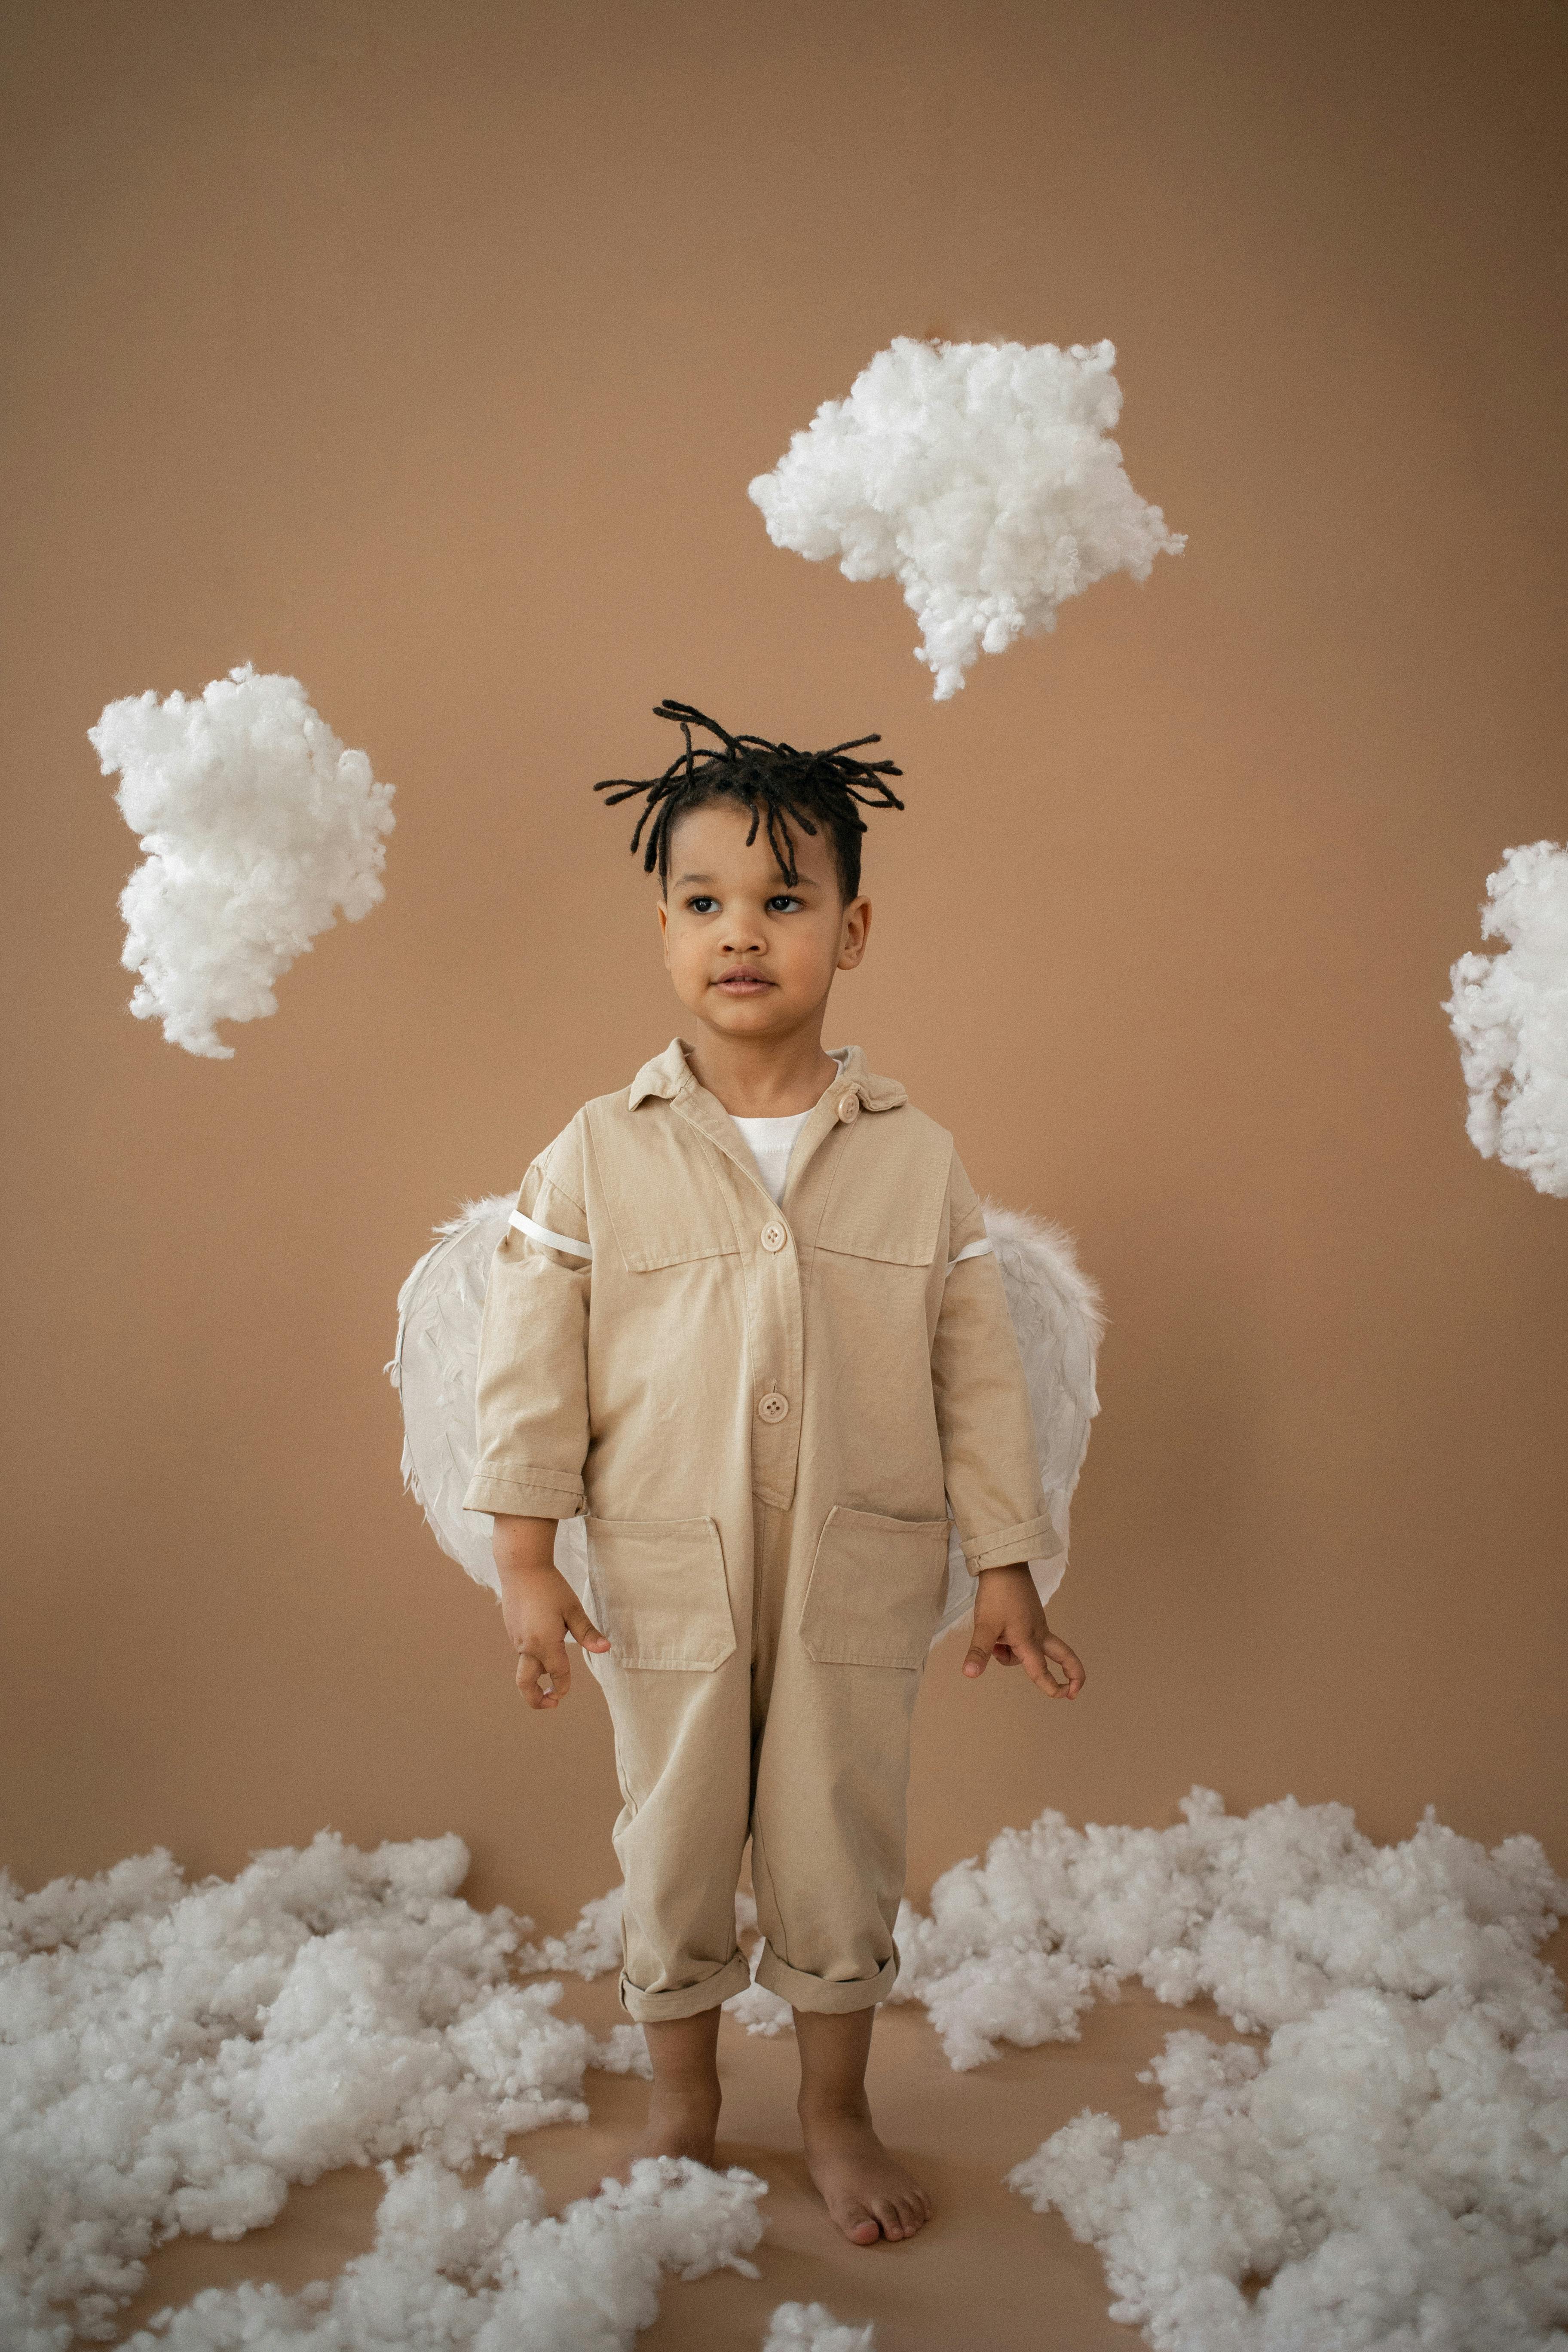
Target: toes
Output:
[
  {"x": 860, "y": 2228},
  {"x": 889, "y": 2215}
]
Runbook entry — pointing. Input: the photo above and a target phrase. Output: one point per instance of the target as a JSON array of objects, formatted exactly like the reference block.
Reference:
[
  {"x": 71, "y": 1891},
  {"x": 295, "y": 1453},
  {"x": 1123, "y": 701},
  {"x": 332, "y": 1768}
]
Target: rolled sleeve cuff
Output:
[
  {"x": 998, "y": 1547},
  {"x": 530, "y": 1495}
]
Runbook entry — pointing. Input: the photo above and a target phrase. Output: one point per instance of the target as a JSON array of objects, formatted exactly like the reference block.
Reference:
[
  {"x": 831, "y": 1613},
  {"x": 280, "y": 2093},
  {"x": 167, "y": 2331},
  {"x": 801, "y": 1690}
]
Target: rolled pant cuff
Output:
[
  {"x": 685, "y": 2001},
  {"x": 828, "y": 1997}
]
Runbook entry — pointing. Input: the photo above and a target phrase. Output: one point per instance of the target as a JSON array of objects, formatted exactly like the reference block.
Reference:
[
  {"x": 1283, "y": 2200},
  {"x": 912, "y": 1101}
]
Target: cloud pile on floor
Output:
[
  {"x": 811, "y": 2327},
  {"x": 1397, "y": 2165},
  {"x": 1269, "y": 1914},
  {"x": 173, "y": 2057},
  {"x": 1509, "y": 1015},
  {"x": 452, "y": 2266},
  {"x": 258, "y": 827},
  {"x": 981, "y": 476},
  {"x": 1394, "y": 2168}
]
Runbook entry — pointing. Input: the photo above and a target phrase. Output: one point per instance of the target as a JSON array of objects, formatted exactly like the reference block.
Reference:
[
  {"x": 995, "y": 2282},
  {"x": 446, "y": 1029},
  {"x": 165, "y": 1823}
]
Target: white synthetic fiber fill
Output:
[
  {"x": 811, "y": 2327},
  {"x": 1397, "y": 2165},
  {"x": 1393, "y": 2169},
  {"x": 173, "y": 2056},
  {"x": 257, "y": 825},
  {"x": 981, "y": 476},
  {"x": 1270, "y": 1914},
  {"x": 1509, "y": 1015},
  {"x": 453, "y": 2267}
]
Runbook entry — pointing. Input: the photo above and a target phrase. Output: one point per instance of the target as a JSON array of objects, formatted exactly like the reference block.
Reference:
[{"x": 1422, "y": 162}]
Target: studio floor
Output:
[{"x": 988, "y": 2273}]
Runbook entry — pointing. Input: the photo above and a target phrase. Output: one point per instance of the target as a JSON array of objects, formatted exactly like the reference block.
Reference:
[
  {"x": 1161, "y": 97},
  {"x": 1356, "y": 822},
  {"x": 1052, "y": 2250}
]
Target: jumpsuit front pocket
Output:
[
  {"x": 660, "y": 1593},
  {"x": 875, "y": 1591}
]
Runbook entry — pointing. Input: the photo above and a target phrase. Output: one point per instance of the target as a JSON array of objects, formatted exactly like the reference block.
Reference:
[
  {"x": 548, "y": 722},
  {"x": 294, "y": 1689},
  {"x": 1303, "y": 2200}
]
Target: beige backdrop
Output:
[{"x": 425, "y": 351}]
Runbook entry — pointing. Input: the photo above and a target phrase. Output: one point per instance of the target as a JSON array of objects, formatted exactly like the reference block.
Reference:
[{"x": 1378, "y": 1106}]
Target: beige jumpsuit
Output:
[{"x": 766, "y": 1413}]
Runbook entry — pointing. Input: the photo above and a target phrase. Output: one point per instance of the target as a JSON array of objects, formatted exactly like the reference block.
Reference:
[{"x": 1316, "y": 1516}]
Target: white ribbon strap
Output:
[
  {"x": 542, "y": 1234},
  {"x": 971, "y": 1249}
]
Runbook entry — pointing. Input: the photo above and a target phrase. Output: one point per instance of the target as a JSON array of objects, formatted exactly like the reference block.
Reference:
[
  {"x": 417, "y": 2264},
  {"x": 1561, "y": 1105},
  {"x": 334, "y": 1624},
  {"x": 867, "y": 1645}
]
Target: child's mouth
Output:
[{"x": 743, "y": 983}]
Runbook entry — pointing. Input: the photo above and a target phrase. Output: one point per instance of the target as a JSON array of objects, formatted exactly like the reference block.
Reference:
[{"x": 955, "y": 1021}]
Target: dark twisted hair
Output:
[{"x": 776, "y": 781}]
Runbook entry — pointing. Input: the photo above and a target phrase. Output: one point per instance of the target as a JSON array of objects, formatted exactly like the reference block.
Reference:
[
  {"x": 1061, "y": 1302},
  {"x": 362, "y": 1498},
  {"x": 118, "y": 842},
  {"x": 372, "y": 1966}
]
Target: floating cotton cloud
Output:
[
  {"x": 258, "y": 827},
  {"x": 981, "y": 476},
  {"x": 1509, "y": 1015}
]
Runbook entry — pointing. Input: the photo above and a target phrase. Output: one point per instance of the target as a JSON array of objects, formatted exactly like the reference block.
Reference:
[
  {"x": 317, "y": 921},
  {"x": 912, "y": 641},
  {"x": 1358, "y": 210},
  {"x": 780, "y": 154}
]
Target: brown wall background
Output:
[{"x": 425, "y": 353}]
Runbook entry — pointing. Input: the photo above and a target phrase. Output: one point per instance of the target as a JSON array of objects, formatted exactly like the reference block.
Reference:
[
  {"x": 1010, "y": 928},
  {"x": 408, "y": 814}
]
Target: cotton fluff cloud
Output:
[
  {"x": 1393, "y": 2167},
  {"x": 1268, "y": 1916},
  {"x": 171, "y": 2057},
  {"x": 981, "y": 476},
  {"x": 812, "y": 2327},
  {"x": 257, "y": 825},
  {"x": 1509, "y": 1015},
  {"x": 453, "y": 2267}
]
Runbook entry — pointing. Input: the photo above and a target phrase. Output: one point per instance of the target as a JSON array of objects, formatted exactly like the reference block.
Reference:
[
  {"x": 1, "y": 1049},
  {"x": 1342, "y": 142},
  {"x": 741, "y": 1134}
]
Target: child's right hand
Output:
[{"x": 539, "y": 1609}]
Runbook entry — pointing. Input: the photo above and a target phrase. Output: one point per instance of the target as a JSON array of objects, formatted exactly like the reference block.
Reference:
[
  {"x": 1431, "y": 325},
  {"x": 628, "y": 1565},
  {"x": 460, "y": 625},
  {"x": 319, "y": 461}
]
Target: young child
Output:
[{"x": 746, "y": 1321}]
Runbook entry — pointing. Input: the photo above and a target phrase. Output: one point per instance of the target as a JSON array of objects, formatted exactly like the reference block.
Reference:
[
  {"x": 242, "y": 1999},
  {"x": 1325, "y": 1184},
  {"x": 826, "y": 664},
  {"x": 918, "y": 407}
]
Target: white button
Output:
[
  {"x": 849, "y": 1108},
  {"x": 773, "y": 1237},
  {"x": 772, "y": 1407}
]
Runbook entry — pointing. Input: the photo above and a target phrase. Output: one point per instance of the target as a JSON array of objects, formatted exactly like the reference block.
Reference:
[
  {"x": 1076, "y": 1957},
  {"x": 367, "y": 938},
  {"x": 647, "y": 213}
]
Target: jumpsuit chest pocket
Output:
[
  {"x": 667, "y": 1203},
  {"x": 660, "y": 1594},
  {"x": 886, "y": 1215},
  {"x": 875, "y": 1591}
]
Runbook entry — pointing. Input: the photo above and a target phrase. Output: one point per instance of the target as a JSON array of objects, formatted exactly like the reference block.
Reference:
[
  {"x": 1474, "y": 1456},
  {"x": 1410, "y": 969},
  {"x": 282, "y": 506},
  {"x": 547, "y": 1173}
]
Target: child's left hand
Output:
[{"x": 1010, "y": 1626}]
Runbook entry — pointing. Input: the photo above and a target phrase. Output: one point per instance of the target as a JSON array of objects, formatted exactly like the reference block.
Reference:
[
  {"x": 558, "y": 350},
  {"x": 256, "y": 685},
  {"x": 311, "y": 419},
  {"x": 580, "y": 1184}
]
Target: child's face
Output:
[{"x": 751, "y": 954}]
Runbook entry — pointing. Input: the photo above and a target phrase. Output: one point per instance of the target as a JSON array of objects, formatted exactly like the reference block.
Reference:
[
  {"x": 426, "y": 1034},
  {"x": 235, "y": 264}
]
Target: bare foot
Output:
[
  {"x": 867, "y": 2192},
  {"x": 681, "y": 2122}
]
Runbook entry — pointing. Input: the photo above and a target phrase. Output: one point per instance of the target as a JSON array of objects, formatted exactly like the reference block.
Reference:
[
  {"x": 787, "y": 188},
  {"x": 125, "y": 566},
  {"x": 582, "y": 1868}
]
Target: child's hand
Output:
[
  {"x": 539, "y": 1609},
  {"x": 1010, "y": 1626}
]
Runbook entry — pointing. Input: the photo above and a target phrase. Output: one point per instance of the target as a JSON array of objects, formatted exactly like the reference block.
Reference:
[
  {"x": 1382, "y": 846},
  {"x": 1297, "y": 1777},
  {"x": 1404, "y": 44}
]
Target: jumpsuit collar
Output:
[{"x": 669, "y": 1075}]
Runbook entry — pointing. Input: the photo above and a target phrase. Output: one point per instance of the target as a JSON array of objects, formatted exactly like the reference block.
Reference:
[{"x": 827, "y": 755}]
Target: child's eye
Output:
[
  {"x": 701, "y": 904},
  {"x": 781, "y": 899}
]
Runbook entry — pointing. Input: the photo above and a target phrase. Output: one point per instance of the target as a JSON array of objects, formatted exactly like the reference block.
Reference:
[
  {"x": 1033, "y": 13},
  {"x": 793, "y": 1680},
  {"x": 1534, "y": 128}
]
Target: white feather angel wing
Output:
[
  {"x": 1058, "y": 1321},
  {"x": 1054, "y": 1305},
  {"x": 435, "y": 1370}
]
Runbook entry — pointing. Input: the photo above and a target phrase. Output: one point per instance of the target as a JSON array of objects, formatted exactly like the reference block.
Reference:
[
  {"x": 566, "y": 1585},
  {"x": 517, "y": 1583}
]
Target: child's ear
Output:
[
  {"x": 852, "y": 942},
  {"x": 664, "y": 930}
]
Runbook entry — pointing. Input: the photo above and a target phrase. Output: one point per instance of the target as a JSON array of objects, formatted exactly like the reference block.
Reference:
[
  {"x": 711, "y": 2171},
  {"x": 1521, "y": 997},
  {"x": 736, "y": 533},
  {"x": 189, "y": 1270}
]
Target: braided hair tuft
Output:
[{"x": 776, "y": 781}]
